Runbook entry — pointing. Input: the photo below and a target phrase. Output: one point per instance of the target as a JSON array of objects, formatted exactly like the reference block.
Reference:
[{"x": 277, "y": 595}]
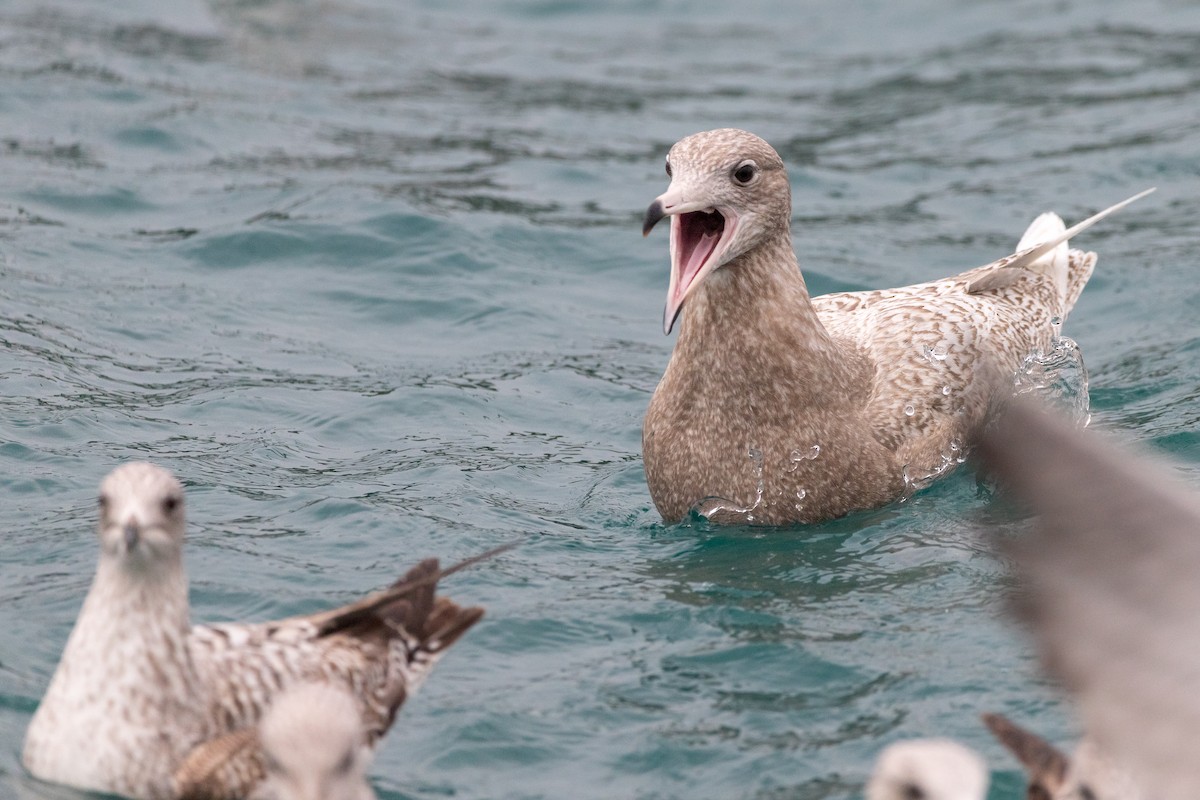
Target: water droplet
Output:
[
  {"x": 806, "y": 455},
  {"x": 946, "y": 390},
  {"x": 909, "y": 410},
  {"x": 801, "y": 494},
  {"x": 799, "y": 454},
  {"x": 936, "y": 353}
]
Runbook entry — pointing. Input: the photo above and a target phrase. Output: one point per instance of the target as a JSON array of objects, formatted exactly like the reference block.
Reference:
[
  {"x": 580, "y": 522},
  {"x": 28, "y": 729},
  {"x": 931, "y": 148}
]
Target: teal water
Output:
[{"x": 368, "y": 276}]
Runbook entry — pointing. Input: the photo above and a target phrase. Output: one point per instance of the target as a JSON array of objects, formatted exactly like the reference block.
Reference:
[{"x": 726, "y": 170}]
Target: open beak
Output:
[{"x": 700, "y": 234}]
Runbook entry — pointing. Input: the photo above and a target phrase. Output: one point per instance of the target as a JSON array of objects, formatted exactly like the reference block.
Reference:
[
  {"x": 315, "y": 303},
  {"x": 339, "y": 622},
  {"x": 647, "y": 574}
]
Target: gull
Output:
[
  {"x": 314, "y": 746},
  {"x": 140, "y": 694},
  {"x": 1110, "y": 592},
  {"x": 780, "y": 408},
  {"x": 928, "y": 769}
]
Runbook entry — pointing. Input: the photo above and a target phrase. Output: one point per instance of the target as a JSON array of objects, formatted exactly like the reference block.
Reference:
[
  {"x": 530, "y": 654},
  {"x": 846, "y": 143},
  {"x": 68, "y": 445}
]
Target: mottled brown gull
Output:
[
  {"x": 141, "y": 694},
  {"x": 928, "y": 769},
  {"x": 777, "y": 407},
  {"x": 1110, "y": 591}
]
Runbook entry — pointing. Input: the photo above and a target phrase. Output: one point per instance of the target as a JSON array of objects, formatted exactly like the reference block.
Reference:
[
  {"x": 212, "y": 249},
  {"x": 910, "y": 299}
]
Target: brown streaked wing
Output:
[{"x": 225, "y": 768}]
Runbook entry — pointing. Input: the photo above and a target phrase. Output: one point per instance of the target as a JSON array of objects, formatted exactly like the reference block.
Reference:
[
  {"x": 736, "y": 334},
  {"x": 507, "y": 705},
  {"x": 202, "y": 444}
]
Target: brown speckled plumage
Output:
[
  {"x": 140, "y": 694},
  {"x": 777, "y": 407}
]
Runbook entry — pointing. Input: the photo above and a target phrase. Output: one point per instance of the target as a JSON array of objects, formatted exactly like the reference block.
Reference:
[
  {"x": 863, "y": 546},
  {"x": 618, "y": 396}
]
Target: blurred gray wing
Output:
[{"x": 1113, "y": 588}]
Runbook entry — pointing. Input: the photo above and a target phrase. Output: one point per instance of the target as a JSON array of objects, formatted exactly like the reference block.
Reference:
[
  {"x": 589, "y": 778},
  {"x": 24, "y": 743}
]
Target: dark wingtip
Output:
[
  {"x": 1045, "y": 764},
  {"x": 653, "y": 214}
]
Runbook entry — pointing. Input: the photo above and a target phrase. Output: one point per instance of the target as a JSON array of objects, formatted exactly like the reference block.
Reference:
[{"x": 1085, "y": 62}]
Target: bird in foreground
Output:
[
  {"x": 1110, "y": 591},
  {"x": 928, "y": 769},
  {"x": 1087, "y": 775},
  {"x": 147, "y": 705},
  {"x": 1045, "y": 765},
  {"x": 314, "y": 746},
  {"x": 777, "y": 407}
]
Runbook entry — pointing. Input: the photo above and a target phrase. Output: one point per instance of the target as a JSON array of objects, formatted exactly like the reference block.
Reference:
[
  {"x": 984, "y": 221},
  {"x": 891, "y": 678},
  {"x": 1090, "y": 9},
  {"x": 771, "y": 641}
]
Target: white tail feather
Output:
[
  {"x": 1003, "y": 272},
  {"x": 1056, "y": 262},
  {"x": 1026, "y": 259}
]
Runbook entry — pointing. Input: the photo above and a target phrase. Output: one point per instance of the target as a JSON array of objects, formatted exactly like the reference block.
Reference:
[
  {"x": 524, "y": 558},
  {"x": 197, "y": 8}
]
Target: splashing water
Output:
[
  {"x": 1058, "y": 377},
  {"x": 718, "y": 509},
  {"x": 917, "y": 478}
]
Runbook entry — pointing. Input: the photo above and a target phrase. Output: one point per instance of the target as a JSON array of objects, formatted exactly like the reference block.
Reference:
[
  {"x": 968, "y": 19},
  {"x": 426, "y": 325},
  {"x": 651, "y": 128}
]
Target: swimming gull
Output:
[
  {"x": 314, "y": 746},
  {"x": 141, "y": 693},
  {"x": 928, "y": 769},
  {"x": 777, "y": 407},
  {"x": 1110, "y": 589}
]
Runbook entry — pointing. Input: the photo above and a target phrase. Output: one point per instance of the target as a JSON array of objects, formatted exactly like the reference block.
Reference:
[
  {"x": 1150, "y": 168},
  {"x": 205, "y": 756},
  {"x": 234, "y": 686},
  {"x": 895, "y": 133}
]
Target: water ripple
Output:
[{"x": 369, "y": 279}]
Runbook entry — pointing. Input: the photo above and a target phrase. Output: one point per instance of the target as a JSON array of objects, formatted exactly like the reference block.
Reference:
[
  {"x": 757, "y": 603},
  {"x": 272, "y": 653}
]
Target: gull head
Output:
[
  {"x": 729, "y": 192},
  {"x": 314, "y": 746},
  {"x": 141, "y": 513},
  {"x": 928, "y": 769}
]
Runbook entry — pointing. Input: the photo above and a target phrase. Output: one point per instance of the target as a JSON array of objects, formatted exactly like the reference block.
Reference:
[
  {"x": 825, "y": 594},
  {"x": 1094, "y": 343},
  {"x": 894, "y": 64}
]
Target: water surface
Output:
[{"x": 368, "y": 276}]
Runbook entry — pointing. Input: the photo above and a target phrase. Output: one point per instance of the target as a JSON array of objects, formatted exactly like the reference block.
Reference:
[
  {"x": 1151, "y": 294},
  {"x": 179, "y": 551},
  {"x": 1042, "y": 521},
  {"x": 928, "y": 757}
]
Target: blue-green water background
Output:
[{"x": 369, "y": 277}]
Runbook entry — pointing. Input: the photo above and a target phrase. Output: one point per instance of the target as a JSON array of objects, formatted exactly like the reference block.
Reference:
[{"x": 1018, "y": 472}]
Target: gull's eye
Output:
[
  {"x": 170, "y": 503},
  {"x": 745, "y": 172},
  {"x": 668, "y": 167},
  {"x": 103, "y": 503}
]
